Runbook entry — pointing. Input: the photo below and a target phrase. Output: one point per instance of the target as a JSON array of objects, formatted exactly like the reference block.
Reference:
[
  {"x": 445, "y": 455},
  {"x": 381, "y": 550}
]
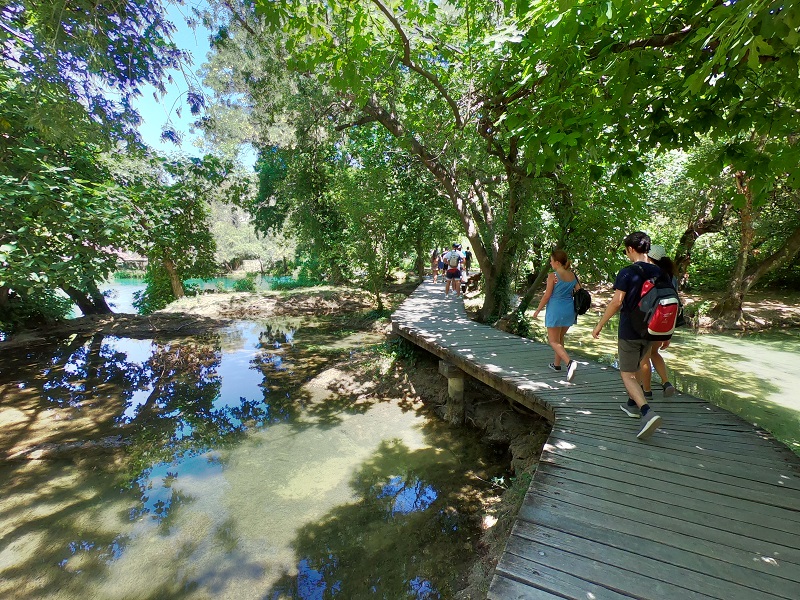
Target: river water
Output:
[
  {"x": 249, "y": 463},
  {"x": 120, "y": 291}
]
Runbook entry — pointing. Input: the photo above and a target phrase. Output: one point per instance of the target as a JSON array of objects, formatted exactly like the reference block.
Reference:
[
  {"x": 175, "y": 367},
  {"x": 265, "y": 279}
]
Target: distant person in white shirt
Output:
[{"x": 453, "y": 261}]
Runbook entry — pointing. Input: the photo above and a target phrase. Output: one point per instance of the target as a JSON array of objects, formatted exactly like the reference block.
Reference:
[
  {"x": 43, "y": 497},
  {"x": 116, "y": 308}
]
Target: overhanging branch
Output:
[
  {"x": 362, "y": 121},
  {"x": 406, "y": 60}
]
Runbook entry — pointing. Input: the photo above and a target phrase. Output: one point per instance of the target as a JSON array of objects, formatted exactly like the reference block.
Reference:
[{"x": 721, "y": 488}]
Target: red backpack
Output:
[{"x": 656, "y": 314}]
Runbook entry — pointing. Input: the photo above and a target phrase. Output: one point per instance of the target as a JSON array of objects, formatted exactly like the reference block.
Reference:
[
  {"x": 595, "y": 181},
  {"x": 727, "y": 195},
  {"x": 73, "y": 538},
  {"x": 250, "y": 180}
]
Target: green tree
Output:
[
  {"x": 358, "y": 65},
  {"x": 491, "y": 97},
  {"x": 80, "y": 63},
  {"x": 171, "y": 212},
  {"x": 390, "y": 204},
  {"x": 62, "y": 214},
  {"x": 69, "y": 73},
  {"x": 236, "y": 240}
]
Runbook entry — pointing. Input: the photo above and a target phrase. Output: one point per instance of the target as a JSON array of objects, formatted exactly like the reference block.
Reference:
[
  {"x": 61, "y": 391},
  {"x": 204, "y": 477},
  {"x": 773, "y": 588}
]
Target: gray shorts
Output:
[{"x": 631, "y": 353}]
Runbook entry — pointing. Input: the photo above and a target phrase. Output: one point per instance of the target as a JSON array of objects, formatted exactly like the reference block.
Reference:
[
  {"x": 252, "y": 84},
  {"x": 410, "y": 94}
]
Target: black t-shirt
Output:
[
  {"x": 630, "y": 280},
  {"x": 468, "y": 256}
]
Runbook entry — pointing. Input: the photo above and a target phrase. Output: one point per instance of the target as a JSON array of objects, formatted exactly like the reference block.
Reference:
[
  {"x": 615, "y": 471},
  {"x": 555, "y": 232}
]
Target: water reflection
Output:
[
  {"x": 226, "y": 475},
  {"x": 407, "y": 496}
]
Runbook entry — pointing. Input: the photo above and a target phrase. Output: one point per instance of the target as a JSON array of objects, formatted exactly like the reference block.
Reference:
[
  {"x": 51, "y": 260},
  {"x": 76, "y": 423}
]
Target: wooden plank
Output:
[
  {"x": 684, "y": 449},
  {"x": 506, "y": 588},
  {"x": 750, "y": 441},
  {"x": 624, "y": 579},
  {"x": 685, "y": 476},
  {"x": 613, "y": 473},
  {"x": 679, "y": 528},
  {"x": 696, "y": 512},
  {"x": 675, "y": 420},
  {"x": 624, "y": 425},
  {"x": 553, "y": 514},
  {"x": 538, "y": 577},
  {"x": 699, "y": 573},
  {"x": 732, "y": 468}
]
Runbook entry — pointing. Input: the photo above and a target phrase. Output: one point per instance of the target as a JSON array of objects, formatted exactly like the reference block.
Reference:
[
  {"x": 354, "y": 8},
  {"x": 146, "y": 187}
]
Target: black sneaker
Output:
[
  {"x": 650, "y": 423},
  {"x": 669, "y": 390},
  {"x": 554, "y": 367},
  {"x": 571, "y": 370}
]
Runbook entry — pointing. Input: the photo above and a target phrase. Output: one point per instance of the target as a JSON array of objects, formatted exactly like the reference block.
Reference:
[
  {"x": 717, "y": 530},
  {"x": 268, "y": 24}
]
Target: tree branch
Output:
[
  {"x": 406, "y": 60},
  {"x": 362, "y": 121},
  {"x": 240, "y": 19},
  {"x": 494, "y": 148},
  {"x": 442, "y": 174},
  {"x": 661, "y": 40},
  {"x": 783, "y": 255}
]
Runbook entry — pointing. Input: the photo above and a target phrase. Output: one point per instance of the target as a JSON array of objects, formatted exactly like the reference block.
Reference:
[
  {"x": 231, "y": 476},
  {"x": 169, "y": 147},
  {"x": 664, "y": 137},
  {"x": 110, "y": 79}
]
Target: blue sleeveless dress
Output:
[{"x": 561, "y": 308}]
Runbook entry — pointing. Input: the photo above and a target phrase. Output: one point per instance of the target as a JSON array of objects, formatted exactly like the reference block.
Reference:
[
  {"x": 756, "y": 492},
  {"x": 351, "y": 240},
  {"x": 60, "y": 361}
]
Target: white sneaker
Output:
[{"x": 571, "y": 368}]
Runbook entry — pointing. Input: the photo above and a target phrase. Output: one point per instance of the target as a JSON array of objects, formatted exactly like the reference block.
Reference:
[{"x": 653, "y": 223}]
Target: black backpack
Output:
[{"x": 581, "y": 299}]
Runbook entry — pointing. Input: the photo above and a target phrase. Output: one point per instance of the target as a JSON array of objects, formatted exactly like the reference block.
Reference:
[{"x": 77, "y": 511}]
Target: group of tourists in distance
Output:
[
  {"x": 454, "y": 266},
  {"x": 645, "y": 295}
]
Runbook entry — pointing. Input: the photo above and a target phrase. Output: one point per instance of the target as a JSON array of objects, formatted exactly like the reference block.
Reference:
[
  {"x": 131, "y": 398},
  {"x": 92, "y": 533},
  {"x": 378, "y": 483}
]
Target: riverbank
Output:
[{"x": 194, "y": 315}]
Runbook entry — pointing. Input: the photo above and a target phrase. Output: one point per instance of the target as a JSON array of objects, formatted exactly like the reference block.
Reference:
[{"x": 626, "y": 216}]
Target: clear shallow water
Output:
[
  {"x": 246, "y": 464},
  {"x": 755, "y": 375},
  {"x": 120, "y": 291}
]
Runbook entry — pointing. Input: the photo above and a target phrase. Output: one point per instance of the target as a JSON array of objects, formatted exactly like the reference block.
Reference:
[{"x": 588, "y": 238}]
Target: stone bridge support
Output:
[{"x": 455, "y": 391}]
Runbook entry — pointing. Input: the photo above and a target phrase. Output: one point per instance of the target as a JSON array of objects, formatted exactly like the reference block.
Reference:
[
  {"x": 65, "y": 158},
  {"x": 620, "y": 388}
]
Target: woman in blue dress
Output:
[{"x": 560, "y": 315}]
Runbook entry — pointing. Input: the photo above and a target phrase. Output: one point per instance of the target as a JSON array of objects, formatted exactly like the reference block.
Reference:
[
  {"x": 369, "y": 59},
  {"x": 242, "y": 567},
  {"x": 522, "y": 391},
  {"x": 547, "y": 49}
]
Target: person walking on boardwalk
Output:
[
  {"x": 467, "y": 260},
  {"x": 560, "y": 314},
  {"x": 632, "y": 347},
  {"x": 453, "y": 260},
  {"x": 658, "y": 256},
  {"x": 435, "y": 258}
]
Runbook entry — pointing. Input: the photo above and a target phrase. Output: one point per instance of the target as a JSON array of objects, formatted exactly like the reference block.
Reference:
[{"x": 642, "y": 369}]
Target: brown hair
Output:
[{"x": 560, "y": 256}]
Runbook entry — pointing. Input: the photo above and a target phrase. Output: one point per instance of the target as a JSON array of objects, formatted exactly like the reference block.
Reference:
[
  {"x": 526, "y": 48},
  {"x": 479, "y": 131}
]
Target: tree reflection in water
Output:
[
  {"x": 402, "y": 538},
  {"x": 182, "y": 409}
]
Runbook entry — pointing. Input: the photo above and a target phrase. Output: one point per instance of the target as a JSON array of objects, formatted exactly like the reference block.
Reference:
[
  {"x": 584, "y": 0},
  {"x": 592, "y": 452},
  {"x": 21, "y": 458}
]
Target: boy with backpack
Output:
[{"x": 643, "y": 319}]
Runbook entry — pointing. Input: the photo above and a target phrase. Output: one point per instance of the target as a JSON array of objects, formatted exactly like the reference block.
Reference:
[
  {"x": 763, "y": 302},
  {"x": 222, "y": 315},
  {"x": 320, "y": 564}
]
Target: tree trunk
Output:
[
  {"x": 174, "y": 280},
  {"x": 4, "y": 293},
  {"x": 337, "y": 277},
  {"x": 728, "y": 311},
  {"x": 80, "y": 299},
  {"x": 784, "y": 254},
  {"x": 491, "y": 255},
  {"x": 710, "y": 221},
  {"x": 98, "y": 299},
  {"x": 564, "y": 209},
  {"x": 533, "y": 288},
  {"x": 497, "y": 287},
  {"x": 91, "y": 302}
]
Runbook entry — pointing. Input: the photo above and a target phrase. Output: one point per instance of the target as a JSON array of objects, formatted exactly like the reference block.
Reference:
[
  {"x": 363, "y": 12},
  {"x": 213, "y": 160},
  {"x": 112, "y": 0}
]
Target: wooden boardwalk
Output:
[{"x": 709, "y": 507}]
